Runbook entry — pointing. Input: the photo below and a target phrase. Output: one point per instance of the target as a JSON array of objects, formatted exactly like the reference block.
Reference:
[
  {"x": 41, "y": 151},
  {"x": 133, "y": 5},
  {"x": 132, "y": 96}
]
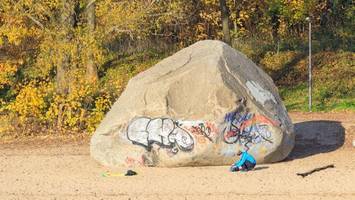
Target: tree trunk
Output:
[
  {"x": 237, "y": 13},
  {"x": 91, "y": 69},
  {"x": 67, "y": 20},
  {"x": 225, "y": 21},
  {"x": 62, "y": 85},
  {"x": 275, "y": 27}
]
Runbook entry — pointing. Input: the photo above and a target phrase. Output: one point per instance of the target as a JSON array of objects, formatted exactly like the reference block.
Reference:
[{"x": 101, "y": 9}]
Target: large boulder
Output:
[{"x": 198, "y": 107}]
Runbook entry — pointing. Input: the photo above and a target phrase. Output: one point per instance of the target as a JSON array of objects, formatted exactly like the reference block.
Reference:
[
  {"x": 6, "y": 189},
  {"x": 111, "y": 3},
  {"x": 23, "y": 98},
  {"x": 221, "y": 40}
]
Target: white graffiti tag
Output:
[{"x": 161, "y": 131}]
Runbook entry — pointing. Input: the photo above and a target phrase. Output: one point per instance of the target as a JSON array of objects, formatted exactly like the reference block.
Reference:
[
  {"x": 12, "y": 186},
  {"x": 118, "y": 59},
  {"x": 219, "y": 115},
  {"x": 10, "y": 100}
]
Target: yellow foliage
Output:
[
  {"x": 36, "y": 41},
  {"x": 272, "y": 62},
  {"x": 102, "y": 105},
  {"x": 79, "y": 109},
  {"x": 30, "y": 102},
  {"x": 7, "y": 71}
]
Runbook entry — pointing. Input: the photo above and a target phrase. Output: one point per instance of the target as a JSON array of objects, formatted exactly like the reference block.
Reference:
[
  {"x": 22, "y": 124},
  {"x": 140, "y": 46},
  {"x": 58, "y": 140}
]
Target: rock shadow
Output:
[{"x": 314, "y": 137}]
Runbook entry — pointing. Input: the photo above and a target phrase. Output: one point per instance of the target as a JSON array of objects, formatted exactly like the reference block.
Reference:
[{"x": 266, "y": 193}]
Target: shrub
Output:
[{"x": 275, "y": 63}]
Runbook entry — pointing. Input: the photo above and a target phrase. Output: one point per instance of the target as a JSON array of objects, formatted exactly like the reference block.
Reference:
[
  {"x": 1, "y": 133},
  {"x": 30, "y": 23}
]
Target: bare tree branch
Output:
[
  {"x": 90, "y": 3},
  {"x": 116, "y": 29},
  {"x": 35, "y": 21},
  {"x": 161, "y": 14}
]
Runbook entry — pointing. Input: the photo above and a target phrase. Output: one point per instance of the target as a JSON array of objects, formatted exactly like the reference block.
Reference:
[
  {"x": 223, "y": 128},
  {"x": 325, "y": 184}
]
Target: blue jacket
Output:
[{"x": 245, "y": 157}]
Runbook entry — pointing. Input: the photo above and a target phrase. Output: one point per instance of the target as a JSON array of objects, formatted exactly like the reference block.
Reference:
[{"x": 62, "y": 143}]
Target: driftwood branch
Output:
[{"x": 315, "y": 170}]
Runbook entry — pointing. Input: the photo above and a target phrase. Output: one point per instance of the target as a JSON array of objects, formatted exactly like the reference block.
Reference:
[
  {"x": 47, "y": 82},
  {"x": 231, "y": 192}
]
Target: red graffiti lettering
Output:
[{"x": 258, "y": 119}]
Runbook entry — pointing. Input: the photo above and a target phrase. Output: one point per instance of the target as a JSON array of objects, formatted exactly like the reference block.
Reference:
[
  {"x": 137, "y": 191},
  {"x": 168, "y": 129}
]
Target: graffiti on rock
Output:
[
  {"x": 260, "y": 94},
  {"x": 247, "y": 128},
  {"x": 161, "y": 131},
  {"x": 240, "y": 127},
  {"x": 133, "y": 162},
  {"x": 202, "y": 130}
]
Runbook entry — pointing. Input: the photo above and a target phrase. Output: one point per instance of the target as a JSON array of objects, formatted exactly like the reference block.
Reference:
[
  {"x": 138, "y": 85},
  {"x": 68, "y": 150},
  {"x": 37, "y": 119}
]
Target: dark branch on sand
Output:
[{"x": 315, "y": 170}]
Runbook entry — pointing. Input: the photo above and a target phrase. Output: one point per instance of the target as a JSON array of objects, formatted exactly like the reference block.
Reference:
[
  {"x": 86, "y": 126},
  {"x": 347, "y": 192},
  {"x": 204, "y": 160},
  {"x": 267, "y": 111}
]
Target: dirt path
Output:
[{"x": 48, "y": 169}]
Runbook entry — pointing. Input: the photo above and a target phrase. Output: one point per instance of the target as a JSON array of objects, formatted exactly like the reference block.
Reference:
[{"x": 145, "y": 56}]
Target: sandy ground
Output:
[{"x": 62, "y": 169}]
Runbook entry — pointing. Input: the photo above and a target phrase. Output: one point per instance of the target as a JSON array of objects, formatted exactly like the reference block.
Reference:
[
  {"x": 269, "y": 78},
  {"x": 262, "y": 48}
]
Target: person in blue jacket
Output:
[{"x": 245, "y": 163}]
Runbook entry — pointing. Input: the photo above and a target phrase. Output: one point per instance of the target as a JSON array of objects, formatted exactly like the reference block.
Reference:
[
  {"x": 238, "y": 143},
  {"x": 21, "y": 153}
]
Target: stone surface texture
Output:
[{"x": 197, "y": 107}]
